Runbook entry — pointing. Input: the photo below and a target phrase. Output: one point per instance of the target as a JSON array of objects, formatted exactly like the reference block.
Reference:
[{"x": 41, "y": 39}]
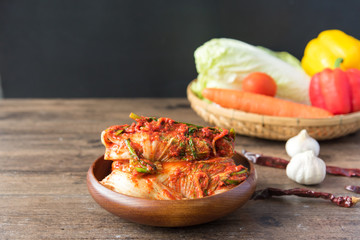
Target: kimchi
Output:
[{"x": 159, "y": 158}]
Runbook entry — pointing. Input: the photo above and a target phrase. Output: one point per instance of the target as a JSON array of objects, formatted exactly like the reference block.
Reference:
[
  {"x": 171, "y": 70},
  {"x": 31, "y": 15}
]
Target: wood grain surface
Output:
[{"x": 47, "y": 146}]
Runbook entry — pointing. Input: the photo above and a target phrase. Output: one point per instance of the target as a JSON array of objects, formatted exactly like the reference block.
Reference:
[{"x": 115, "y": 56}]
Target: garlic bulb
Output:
[
  {"x": 301, "y": 143},
  {"x": 305, "y": 168}
]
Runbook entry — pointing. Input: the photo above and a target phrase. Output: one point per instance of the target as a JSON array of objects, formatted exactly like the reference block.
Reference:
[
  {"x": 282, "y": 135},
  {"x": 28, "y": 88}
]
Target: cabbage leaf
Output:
[{"x": 223, "y": 63}]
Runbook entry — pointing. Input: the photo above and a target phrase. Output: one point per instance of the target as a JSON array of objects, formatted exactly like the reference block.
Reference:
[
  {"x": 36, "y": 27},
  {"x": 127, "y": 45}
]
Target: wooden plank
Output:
[
  {"x": 47, "y": 146},
  {"x": 79, "y": 217}
]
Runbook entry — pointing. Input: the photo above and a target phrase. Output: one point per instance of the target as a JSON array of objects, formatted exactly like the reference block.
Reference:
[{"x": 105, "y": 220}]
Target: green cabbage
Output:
[
  {"x": 223, "y": 63},
  {"x": 285, "y": 56}
]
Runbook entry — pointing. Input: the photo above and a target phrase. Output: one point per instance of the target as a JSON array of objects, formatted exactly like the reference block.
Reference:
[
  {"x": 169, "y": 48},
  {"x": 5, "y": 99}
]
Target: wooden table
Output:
[{"x": 47, "y": 146}]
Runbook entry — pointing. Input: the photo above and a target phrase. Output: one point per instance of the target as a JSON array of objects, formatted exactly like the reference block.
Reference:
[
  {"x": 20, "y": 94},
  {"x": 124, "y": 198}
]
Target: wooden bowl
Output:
[
  {"x": 270, "y": 127},
  {"x": 169, "y": 213}
]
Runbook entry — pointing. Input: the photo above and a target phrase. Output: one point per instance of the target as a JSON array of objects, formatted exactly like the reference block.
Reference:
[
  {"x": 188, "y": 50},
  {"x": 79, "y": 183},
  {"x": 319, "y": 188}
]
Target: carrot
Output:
[{"x": 261, "y": 104}]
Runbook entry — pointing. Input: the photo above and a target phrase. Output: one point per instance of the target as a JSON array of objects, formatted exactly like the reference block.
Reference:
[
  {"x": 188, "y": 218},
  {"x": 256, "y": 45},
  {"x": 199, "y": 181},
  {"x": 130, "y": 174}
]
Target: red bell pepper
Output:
[
  {"x": 336, "y": 90},
  {"x": 354, "y": 79}
]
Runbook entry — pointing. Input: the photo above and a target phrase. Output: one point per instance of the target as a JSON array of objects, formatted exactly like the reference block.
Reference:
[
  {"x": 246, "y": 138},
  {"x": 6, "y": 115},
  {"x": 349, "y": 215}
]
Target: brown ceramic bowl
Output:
[{"x": 169, "y": 213}]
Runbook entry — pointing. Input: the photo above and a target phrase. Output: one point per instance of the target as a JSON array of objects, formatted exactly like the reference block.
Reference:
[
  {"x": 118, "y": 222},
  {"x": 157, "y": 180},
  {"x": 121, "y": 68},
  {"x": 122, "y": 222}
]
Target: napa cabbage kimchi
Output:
[{"x": 159, "y": 158}]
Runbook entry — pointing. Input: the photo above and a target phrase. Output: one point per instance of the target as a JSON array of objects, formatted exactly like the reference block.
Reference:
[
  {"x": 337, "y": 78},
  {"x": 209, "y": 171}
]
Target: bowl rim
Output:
[{"x": 91, "y": 180}]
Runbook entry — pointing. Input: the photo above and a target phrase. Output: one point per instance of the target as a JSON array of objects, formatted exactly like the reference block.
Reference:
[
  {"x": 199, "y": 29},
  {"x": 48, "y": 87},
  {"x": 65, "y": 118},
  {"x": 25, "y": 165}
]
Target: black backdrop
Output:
[{"x": 129, "y": 48}]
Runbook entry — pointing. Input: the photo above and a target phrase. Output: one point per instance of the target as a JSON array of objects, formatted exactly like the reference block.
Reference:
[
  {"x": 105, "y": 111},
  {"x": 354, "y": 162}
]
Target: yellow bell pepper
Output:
[{"x": 321, "y": 52}]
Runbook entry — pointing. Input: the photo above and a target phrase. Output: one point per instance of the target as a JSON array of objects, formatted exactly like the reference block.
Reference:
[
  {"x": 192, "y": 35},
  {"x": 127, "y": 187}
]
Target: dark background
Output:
[{"x": 108, "y": 48}]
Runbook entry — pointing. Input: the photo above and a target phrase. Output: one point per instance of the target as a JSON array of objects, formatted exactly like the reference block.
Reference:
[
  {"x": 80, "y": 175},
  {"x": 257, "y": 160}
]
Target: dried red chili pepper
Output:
[
  {"x": 265, "y": 160},
  {"x": 301, "y": 192},
  {"x": 352, "y": 188},
  {"x": 348, "y": 172},
  {"x": 282, "y": 163}
]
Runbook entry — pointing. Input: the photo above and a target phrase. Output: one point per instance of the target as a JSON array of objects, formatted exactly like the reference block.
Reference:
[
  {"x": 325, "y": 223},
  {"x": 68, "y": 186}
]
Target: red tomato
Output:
[{"x": 260, "y": 83}]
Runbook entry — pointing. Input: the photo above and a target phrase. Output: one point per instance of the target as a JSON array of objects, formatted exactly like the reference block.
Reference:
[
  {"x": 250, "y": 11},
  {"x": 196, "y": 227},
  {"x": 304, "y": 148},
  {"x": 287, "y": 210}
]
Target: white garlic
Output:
[
  {"x": 301, "y": 143},
  {"x": 305, "y": 168}
]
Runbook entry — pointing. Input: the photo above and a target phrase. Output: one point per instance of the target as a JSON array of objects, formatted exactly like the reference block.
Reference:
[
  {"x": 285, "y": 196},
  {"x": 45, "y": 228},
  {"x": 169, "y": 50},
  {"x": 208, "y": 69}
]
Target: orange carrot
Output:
[{"x": 261, "y": 104}]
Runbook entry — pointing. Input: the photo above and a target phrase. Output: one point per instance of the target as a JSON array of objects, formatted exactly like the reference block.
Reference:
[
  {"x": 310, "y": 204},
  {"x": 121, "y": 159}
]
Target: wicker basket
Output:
[{"x": 274, "y": 128}]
